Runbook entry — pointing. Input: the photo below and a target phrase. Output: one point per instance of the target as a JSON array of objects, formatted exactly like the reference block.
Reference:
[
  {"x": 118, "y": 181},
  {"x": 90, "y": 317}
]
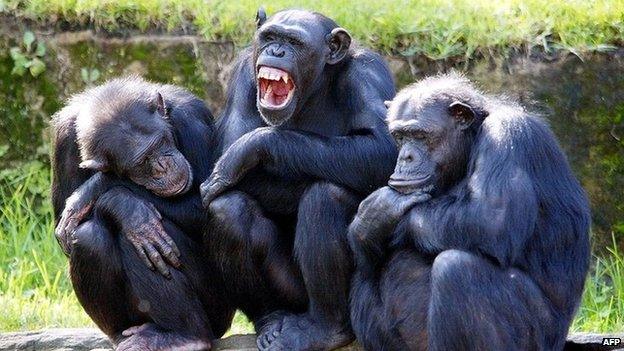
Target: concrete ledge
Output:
[{"x": 86, "y": 339}]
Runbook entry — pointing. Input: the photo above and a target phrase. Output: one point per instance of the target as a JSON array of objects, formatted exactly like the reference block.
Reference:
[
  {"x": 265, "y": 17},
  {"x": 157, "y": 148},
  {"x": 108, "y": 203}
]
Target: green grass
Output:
[
  {"x": 35, "y": 291},
  {"x": 436, "y": 29}
]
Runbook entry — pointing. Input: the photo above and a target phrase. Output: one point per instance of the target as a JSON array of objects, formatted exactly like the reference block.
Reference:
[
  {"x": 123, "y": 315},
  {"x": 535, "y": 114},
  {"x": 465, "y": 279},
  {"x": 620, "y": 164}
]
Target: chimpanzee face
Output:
[
  {"x": 138, "y": 142},
  {"x": 434, "y": 133},
  {"x": 292, "y": 50},
  {"x": 159, "y": 166}
]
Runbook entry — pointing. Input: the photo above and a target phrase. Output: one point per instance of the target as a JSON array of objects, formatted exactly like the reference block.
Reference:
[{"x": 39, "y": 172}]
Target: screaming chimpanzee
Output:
[
  {"x": 123, "y": 147},
  {"x": 481, "y": 240},
  {"x": 304, "y": 142}
]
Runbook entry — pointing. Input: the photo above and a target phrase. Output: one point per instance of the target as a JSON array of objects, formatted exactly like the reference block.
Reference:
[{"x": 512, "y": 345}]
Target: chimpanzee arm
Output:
[
  {"x": 494, "y": 214},
  {"x": 141, "y": 224},
  {"x": 66, "y": 175},
  {"x": 184, "y": 210},
  {"x": 362, "y": 162}
]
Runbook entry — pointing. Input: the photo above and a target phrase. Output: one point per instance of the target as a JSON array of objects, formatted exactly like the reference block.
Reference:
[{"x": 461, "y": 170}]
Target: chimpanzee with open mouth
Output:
[{"x": 303, "y": 141}]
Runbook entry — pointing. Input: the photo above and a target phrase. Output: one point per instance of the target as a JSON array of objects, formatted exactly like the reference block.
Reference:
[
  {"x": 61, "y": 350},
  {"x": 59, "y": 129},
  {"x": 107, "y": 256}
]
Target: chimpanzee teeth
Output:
[{"x": 272, "y": 74}]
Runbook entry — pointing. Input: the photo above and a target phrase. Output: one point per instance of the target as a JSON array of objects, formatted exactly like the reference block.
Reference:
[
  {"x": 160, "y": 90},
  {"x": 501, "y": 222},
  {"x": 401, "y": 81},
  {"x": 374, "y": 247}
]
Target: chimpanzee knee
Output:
[
  {"x": 91, "y": 238},
  {"x": 506, "y": 309},
  {"x": 228, "y": 206},
  {"x": 238, "y": 223},
  {"x": 450, "y": 267}
]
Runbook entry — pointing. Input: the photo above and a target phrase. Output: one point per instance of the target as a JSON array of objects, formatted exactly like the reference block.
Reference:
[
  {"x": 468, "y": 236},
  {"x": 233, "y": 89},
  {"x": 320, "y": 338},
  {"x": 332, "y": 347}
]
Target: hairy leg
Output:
[
  {"x": 99, "y": 280},
  {"x": 321, "y": 249},
  {"x": 257, "y": 266},
  {"x": 476, "y": 305},
  {"x": 389, "y": 308}
]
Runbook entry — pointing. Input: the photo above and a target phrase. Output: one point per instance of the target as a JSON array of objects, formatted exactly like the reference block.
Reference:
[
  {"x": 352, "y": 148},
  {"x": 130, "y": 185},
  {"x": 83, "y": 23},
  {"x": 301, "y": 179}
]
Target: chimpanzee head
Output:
[
  {"x": 293, "y": 49},
  {"x": 127, "y": 131},
  {"x": 434, "y": 122}
]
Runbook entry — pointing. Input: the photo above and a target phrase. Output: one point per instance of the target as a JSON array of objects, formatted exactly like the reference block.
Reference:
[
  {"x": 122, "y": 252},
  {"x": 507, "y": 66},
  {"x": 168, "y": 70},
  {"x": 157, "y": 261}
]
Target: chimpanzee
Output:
[
  {"x": 480, "y": 241},
  {"x": 304, "y": 141},
  {"x": 129, "y": 149}
]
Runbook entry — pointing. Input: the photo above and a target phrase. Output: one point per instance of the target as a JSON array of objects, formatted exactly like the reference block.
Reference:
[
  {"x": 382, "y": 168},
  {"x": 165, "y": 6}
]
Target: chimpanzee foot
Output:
[
  {"x": 268, "y": 328},
  {"x": 149, "y": 337},
  {"x": 302, "y": 333}
]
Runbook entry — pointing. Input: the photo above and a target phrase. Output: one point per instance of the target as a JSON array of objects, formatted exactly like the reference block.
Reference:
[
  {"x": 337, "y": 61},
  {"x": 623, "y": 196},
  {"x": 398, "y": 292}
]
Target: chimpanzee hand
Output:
[
  {"x": 379, "y": 213},
  {"x": 76, "y": 209},
  {"x": 78, "y": 206},
  {"x": 244, "y": 154},
  {"x": 144, "y": 229}
]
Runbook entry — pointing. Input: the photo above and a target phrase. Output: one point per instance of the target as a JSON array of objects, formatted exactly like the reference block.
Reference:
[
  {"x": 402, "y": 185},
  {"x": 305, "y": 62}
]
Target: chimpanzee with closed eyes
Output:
[
  {"x": 480, "y": 242},
  {"x": 303, "y": 141},
  {"x": 125, "y": 153}
]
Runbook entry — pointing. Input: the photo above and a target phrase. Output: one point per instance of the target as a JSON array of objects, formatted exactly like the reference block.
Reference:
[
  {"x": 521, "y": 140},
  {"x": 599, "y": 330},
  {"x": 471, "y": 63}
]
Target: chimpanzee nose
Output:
[
  {"x": 408, "y": 155},
  {"x": 276, "y": 51}
]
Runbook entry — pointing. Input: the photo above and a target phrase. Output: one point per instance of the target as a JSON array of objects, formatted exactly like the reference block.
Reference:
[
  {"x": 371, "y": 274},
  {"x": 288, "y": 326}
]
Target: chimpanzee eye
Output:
[
  {"x": 419, "y": 135},
  {"x": 269, "y": 37}
]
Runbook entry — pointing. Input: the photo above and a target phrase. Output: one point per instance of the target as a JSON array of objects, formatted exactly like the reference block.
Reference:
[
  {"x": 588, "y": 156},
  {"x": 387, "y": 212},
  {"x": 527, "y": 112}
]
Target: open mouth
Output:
[
  {"x": 408, "y": 186},
  {"x": 275, "y": 86}
]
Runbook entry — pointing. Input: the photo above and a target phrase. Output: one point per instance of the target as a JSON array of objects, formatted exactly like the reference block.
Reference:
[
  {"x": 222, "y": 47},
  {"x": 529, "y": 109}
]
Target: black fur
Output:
[
  {"x": 494, "y": 252},
  {"x": 300, "y": 169},
  {"x": 116, "y": 289}
]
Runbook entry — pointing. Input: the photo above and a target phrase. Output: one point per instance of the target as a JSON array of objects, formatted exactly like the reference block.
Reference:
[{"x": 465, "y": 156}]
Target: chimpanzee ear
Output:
[
  {"x": 94, "y": 164},
  {"x": 462, "y": 112},
  {"x": 260, "y": 17},
  {"x": 339, "y": 42},
  {"x": 161, "y": 107},
  {"x": 387, "y": 103}
]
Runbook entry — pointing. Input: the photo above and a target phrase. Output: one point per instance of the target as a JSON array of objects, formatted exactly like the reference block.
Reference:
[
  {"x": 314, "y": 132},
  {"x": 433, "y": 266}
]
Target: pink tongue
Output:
[{"x": 279, "y": 87}]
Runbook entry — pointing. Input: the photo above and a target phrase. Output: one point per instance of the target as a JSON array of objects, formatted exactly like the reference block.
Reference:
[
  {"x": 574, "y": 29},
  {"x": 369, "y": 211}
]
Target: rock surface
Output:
[{"x": 93, "y": 340}]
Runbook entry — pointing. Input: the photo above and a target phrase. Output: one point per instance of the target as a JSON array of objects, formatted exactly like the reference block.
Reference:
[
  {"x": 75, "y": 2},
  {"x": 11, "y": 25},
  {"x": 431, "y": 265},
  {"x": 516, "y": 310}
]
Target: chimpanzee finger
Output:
[
  {"x": 143, "y": 256},
  {"x": 170, "y": 242},
  {"x": 167, "y": 252},
  {"x": 213, "y": 189},
  {"x": 157, "y": 260},
  {"x": 64, "y": 243},
  {"x": 71, "y": 225},
  {"x": 136, "y": 329},
  {"x": 60, "y": 229}
]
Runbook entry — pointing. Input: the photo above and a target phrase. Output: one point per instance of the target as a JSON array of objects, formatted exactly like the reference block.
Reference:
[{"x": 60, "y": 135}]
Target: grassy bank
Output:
[
  {"x": 35, "y": 291},
  {"x": 435, "y": 29}
]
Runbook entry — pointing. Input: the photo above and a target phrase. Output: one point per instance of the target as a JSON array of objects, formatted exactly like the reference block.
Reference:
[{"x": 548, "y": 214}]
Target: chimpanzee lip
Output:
[
  {"x": 266, "y": 75},
  {"x": 187, "y": 184},
  {"x": 407, "y": 186},
  {"x": 189, "y": 181}
]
